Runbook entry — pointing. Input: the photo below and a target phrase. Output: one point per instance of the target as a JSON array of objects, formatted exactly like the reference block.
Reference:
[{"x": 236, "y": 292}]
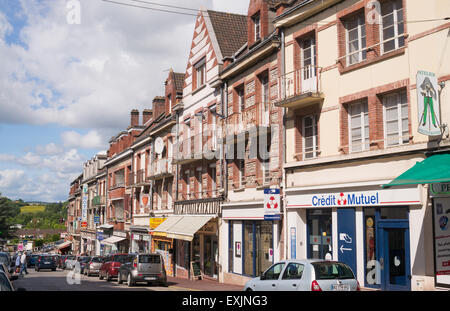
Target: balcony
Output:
[
  {"x": 137, "y": 179},
  {"x": 98, "y": 200},
  {"x": 194, "y": 148},
  {"x": 199, "y": 195},
  {"x": 161, "y": 168},
  {"x": 300, "y": 88}
]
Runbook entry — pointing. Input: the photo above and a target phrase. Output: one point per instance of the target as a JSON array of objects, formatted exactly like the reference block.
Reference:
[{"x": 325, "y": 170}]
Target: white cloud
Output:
[
  {"x": 49, "y": 149},
  {"x": 11, "y": 178},
  {"x": 92, "y": 140}
]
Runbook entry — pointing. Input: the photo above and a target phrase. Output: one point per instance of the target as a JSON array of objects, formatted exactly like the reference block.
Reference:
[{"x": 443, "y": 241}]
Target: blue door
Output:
[{"x": 394, "y": 258}]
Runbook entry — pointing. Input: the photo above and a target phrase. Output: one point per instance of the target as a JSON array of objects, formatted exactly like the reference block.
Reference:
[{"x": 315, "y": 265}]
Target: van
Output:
[{"x": 147, "y": 268}]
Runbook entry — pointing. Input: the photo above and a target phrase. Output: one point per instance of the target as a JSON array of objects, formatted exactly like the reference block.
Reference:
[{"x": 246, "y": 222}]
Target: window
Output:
[
  {"x": 274, "y": 272},
  {"x": 241, "y": 107},
  {"x": 332, "y": 271},
  {"x": 358, "y": 126},
  {"x": 200, "y": 184},
  {"x": 119, "y": 177},
  {"x": 396, "y": 122},
  {"x": 356, "y": 39},
  {"x": 310, "y": 146},
  {"x": 119, "y": 209},
  {"x": 294, "y": 271},
  {"x": 265, "y": 101},
  {"x": 392, "y": 26},
  {"x": 200, "y": 69},
  {"x": 257, "y": 26},
  {"x": 170, "y": 103}
]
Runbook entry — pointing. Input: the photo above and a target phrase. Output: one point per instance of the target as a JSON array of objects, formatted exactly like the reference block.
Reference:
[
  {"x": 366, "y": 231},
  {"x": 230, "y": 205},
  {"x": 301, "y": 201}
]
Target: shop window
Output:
[
  {"x": 392, "y": 26},
  {"x": 258, "y": 247},
  {"x": 396, "y": 120},
  {"x": 358, "y": 115}
]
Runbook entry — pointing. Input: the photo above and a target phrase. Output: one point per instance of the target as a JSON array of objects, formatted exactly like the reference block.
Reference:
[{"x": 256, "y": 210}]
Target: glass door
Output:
[
  {"x": 394, "y": 258},
  {"x": 319, "y": 233}
]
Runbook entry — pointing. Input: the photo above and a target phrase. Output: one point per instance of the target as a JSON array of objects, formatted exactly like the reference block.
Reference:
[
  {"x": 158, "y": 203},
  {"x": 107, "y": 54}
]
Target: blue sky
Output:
[{"x": 66, "y": 89}]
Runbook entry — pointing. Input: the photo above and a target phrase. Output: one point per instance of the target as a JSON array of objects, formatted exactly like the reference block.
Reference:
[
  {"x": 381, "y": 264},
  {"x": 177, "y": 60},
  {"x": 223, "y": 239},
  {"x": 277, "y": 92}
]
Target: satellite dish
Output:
[{"x": 159, "y": 145}]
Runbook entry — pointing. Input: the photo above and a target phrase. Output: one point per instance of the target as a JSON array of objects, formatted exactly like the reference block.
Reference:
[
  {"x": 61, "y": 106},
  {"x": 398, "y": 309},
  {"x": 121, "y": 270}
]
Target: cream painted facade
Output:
[{"x": 334, "y": 170}]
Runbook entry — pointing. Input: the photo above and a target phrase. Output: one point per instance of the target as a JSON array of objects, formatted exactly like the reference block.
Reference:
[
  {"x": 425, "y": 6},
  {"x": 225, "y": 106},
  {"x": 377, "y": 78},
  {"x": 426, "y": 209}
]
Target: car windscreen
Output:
[
  {"x": 149, "y": 259},
  {"x": 4, "y": 259},
  {"x": 332, "y": 271},
  {"x": 85, "y": 259},
  {"x": 97, "y": 259},
  {"x": 4, "y": 283},
  {"x": 46, "y": 258},
  {"x": 123, "y": 258},
  {"x": 70, "y": 257}
]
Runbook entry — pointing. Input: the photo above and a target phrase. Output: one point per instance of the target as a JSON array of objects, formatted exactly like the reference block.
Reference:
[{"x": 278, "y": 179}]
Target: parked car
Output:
[
  {"x": 83, "y": 260},
  {"x": 111, "y": 265},
  {"x": 147, "y": 268},
  {"x": 69, "y": 262},
  {"x": 93, "y": 266},
  {"x": 32, "y": 260},
  {"x": 5, "y": 269},
  {"x": 45, "y": 262},
  {"x": 305, "y": 275},
  {"x": 5, "y": 283},
  {"x": 6, "y": 259}
]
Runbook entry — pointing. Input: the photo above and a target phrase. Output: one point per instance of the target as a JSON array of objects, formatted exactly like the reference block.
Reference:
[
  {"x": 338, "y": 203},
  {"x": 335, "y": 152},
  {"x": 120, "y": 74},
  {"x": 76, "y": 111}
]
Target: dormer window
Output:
[{"x": 257, "y": 26}]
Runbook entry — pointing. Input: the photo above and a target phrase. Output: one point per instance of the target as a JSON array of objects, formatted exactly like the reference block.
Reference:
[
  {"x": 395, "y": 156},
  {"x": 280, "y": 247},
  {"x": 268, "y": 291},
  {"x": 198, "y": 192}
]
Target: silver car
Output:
[
  {"x": 70, "y": 262},
  {"x": 305, "y": 275},
  {"x": 93, "y": 266}
]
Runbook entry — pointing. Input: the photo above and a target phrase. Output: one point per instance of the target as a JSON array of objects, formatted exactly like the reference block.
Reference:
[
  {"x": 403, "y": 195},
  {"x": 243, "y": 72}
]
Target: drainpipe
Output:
[
  {"x": 283, "y": 95},
  {"x": 224, "y": 160}
]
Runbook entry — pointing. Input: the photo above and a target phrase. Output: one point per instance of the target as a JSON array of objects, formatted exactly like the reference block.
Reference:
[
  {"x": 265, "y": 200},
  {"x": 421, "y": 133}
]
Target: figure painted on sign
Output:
[{"x": 429, "y": 93}]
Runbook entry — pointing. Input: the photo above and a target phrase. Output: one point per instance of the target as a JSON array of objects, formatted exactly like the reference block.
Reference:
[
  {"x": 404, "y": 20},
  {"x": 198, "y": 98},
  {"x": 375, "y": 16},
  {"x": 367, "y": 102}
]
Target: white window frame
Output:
[
  {"x": 396, "y": 36},
  {"x": 315, "y": 137},
  {"x": 364, "y": 140},
  {"x": 200, "y": 69},
  {"x": 400, "y": 129},
  {"x": 360, "y": 21},
  {"x": 257, "y": 26},
  {"x": 265, "y": 100}
]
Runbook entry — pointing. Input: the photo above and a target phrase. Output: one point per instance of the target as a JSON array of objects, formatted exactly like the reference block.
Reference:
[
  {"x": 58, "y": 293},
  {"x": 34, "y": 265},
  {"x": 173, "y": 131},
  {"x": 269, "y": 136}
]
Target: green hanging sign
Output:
[{"x": 428, "y": 103}]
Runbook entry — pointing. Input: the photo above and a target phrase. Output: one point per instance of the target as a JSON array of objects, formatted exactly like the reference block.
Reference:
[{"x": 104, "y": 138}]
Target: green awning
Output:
[{"x": 435, "y": 169}]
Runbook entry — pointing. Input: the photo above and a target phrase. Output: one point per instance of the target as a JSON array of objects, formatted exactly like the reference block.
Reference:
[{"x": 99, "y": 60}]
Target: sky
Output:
[{"x": 70, "y": 73}]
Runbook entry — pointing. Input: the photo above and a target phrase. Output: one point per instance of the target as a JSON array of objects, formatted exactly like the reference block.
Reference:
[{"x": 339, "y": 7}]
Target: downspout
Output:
[
  {"x": 283, "y": 95},
  {"x": 224, "y": 160}
]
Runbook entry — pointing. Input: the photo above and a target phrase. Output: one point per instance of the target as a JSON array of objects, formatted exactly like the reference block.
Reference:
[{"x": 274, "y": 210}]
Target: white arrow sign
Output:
[{"x": 344, "y": 249}]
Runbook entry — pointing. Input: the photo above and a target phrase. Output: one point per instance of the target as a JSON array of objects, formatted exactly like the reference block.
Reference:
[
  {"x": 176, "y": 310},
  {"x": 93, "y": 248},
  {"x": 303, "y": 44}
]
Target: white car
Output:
[{"x": 305, "y": 275}]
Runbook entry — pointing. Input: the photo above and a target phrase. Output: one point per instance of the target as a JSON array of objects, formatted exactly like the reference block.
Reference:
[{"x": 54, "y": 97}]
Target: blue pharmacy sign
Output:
[{"x": 347, "y": 237}]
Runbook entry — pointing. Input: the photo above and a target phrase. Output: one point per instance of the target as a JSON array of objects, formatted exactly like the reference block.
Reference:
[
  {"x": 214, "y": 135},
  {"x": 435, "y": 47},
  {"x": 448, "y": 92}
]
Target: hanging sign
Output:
[
  {"x": 272, "y": 204},
  {"x": 428, "y": 105}
]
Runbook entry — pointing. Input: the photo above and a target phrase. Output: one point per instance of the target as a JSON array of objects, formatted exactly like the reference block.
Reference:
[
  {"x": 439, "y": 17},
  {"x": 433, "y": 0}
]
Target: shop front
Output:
[
  {"x": 250, "y": 241},
  {"x": 140, "y": 240},
  {"x": 187, "y": 240},
  {"x": 366, "y": 227},
  {"x": 117, "y": 243}
]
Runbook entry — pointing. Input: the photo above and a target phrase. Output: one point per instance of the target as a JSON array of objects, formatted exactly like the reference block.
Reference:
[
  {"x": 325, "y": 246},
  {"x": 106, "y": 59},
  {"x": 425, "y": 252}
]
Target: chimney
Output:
[
  {"x": 159, "y": 106},
  {"x": 134, "y": 118},
  {"x": 146, "y": 115}
]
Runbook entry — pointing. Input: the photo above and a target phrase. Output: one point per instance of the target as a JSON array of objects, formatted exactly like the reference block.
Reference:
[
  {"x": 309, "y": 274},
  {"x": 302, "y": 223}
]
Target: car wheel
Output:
[
  {"x": 108, "y": 278},
  {"x": 130, "y": 280},
  {"x": 37, "y": 269},
  {"x": 54, "y": 269},
  {"x": 100, "y": 276},
  {"x": 149, "y": 283},
  {"x": 119, "y": 278},
  {"x": 249, "y": 290}
]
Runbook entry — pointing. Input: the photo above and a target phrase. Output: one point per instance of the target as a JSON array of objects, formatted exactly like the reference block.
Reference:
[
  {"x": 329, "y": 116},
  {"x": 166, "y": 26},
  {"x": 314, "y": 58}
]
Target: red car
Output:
[{"x": 111, "y": 265}]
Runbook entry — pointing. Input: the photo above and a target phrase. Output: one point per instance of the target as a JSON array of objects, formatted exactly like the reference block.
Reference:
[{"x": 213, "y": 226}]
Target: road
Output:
[{"x": 47, "y": 280}]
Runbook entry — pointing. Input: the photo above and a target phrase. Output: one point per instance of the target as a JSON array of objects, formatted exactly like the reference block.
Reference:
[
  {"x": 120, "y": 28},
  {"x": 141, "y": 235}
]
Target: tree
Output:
[{"x": 8, "y": 210}]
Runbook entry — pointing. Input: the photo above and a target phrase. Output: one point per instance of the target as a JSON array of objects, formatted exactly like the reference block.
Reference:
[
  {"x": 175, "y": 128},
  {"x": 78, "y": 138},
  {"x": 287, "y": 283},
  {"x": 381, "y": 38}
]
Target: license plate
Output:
[
  {"x": 340, "y": 287},
  {"x": 150, "y": 278},
  {"x": 46, "y": 263}
]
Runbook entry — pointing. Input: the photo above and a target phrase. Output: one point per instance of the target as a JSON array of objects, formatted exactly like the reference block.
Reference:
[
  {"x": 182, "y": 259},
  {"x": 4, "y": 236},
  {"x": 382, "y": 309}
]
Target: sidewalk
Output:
[{"x": 201, "y": 285}]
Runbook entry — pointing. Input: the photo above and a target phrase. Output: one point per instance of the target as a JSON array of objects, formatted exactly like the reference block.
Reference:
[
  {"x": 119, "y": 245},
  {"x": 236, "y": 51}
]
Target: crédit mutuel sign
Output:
[{"x": 386, "y": 197}]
